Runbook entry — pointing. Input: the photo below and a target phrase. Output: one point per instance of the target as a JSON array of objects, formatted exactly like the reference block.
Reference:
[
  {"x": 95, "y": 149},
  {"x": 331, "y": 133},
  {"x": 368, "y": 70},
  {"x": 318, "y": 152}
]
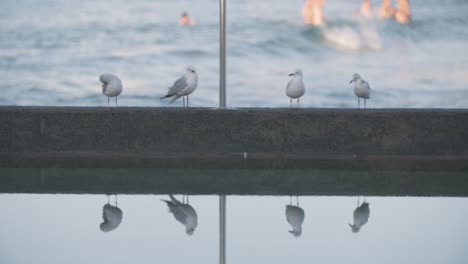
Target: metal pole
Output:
[
  {"x": 222, "y": 229},
  {"x": 222, "y": 54}
]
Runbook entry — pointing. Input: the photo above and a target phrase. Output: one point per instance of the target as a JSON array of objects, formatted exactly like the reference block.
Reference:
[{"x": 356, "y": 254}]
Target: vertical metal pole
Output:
[
  {"x": 222, "y": 54},
  {"x": 222, "y": 229},
  {"x": 222, "y": 105}
]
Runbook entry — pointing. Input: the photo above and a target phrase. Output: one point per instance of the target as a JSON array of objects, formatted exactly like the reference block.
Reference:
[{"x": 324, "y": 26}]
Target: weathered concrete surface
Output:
[
  {"x": 35, "y": 132},
  {"x": 235, "y": 181}
]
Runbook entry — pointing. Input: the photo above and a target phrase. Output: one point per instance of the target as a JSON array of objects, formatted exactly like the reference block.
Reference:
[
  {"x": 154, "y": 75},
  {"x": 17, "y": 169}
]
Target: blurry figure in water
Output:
[
  {"x": 360, "y": 215},
  {"x": 366, "y": 9},
  {"x": 183, "y": 213},
  {"x": 312, "y": 11},
  {"x": 186, "y": 20},
  {"x": 403, "y": 12},
  {"x": 386, "y": 10},
  {"x": 295, "y": 217},
  {"x": 111, "y": 216}
]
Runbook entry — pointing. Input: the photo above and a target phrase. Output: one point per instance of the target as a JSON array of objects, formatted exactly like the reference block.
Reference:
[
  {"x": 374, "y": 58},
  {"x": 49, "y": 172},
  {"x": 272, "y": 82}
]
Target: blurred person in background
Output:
[
  {"x": 366, "y": 9},
  {"x": 185, "y": 20},
  {"x": 386, "y": 10},
  {"x": 403, "y": 12},
  {"x": 312, "y": 11}
]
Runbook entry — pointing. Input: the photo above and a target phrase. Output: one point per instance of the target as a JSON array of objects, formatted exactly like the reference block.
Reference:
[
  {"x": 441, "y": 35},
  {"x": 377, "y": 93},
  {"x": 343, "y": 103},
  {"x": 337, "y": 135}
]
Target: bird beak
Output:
[
  {"x": 291, "y": 74},
  {"x": 351, "y": 81}
]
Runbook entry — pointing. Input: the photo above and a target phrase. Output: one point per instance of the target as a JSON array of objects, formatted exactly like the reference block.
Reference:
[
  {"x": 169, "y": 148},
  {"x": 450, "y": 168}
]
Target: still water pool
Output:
[{"x": 45, "y": 220}]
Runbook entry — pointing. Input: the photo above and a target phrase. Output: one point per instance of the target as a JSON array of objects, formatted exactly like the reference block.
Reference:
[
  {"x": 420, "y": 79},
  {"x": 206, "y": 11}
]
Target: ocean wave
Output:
[{"x": 363, "y": 37}]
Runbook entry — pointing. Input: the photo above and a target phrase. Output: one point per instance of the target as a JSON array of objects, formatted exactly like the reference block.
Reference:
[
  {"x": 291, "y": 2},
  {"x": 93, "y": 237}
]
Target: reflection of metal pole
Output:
[
  {"x": 222, "y": 54},
  {"x": 222, "y": 229}
]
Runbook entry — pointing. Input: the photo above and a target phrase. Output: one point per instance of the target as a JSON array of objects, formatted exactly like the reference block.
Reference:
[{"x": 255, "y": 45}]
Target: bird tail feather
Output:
[
  {"x": 166, "y": 96},
  {"x": 169, "y": 204},
  {"x": 175, "y": 97}
]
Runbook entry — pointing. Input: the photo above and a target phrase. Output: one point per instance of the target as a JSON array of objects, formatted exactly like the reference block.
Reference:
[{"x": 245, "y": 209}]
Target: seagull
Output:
[
  {"x": 111, "y": 86},
  {"x": 111, "y": 215},
  {"x": 295, "y": 87},
  {"x": 183, "y": 86},
  {"x": 361, "y": 88},
  {"x": 183, "y": 213},
  {"x": 361, "y": 216},
  {"x": 295, "y": 217}
]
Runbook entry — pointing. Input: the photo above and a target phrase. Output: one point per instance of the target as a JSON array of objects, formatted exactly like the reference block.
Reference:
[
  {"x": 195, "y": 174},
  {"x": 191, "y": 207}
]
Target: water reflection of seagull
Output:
[
  {"x": 295, "y": 217},
  {"x": 361, "y": 216},
  {"x": 111, "y": 215},
  {"x": 183, "y": 212}
]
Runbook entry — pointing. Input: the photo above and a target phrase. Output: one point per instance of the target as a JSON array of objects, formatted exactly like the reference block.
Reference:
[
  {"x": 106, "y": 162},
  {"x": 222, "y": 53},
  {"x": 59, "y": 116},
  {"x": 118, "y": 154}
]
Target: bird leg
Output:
[
  {"x": 108, "y": 202},
  {"x": 364, "y": 103},
  {"x": 290, "y": 103},
  {"x": 183, "y": 100},
  {"x": 297, "y": 200},
  {"x": 116, "y": 100},
  {"x": 358, "y": 103},
  {"x": 187, "y": 102},
  {"x": 297, "y": 102},
  {"x": 116, "y": 200},
  {"x": 290, "y": 200}
]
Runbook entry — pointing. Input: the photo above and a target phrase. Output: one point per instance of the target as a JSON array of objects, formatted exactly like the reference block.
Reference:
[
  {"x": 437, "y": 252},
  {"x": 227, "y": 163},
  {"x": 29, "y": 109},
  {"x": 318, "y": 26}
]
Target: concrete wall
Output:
[{"x": 29, "y": 130}]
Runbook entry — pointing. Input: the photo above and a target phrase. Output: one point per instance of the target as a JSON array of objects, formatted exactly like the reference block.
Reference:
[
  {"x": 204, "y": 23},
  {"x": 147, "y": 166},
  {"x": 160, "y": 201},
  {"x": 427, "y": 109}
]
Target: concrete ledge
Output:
[{"x": 38, "y": 131}]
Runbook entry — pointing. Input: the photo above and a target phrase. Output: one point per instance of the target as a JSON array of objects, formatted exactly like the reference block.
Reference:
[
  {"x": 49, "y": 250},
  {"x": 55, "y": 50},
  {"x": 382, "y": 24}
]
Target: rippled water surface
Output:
[{"x": 52, "y": 52}]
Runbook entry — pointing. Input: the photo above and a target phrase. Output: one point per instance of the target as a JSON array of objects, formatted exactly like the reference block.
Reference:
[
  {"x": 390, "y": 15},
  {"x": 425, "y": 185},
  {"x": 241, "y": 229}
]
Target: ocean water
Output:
[{"x": 53, "y": 51}]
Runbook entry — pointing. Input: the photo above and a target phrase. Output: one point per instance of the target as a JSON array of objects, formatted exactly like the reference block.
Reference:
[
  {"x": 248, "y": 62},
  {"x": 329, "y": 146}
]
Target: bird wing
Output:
[
  {"x": 289, "y": 83},
  {"x": 366, "y": 84},
  {"x": 104, "y": 212},
  {"x": 179, "y": 214},
  {"x": 178, "y": 86}
]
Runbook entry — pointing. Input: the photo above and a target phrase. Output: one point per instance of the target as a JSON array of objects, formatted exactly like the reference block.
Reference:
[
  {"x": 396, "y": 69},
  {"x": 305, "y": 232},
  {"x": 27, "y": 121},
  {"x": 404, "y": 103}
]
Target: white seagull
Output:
[
  {"x": 111, "y": 86},
  {"x": 183, "y": 86},
  {"x": 361, "y": 216},
  {"x": 112, "y": 217},
  {"x": 361, "y": 88},
  {"x": 295, "y": 87},
  {"x": 295, "y": 216},
  {"x": 183, "y": 213}
]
